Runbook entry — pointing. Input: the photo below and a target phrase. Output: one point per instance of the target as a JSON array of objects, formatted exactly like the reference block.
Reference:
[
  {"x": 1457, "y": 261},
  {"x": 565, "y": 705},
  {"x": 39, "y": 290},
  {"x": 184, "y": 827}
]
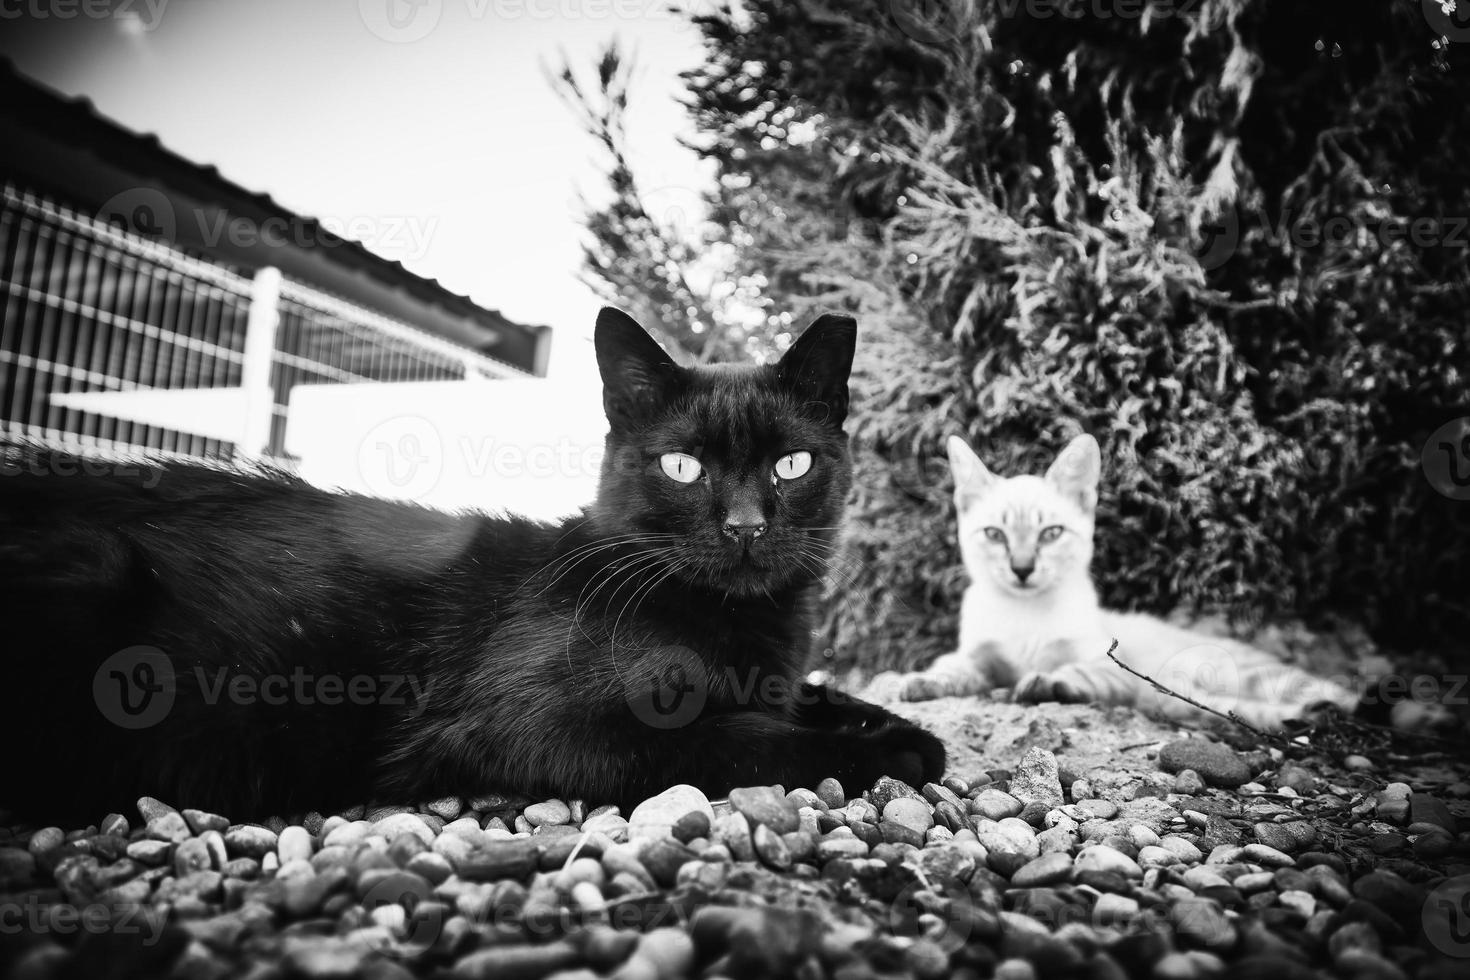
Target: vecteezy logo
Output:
[
  {"x": 941, "y": 911},
  {"x": 407, "y": 891},
  {"x": 1446, "y": 917},
  {"x": 1446, "y": 459},
  {"x": 1205, "y": 672},
  {"x": 144, "y": 211},
  {"x": 135, "y": 687},
  {"x": 1448, "y": 18},
  {"x": 402, "y": 458},
  {"x": 1219, "y": 237},
  {"x": 401, "y": 21},
  {"x": 666, "y": 687}
]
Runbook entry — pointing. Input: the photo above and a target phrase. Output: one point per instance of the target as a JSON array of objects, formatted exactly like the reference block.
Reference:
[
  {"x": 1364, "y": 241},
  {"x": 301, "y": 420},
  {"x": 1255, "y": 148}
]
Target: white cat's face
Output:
[{"x": 1026, "y": 534}]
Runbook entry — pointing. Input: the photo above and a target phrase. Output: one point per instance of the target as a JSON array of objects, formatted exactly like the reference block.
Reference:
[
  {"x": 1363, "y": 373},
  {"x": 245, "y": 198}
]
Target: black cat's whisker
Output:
[
  {"x": 610, "y": 573},
  {"x": 582, "y": 553},
  {"x": 632, "y": 567},
  {"x": 644, "y": 591}
]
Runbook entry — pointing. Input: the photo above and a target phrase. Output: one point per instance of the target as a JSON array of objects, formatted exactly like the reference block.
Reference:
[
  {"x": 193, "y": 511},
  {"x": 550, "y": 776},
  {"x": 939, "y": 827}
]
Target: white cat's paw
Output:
[
  {"x": 925, "y": 687},
  {"x": 1056, "y": 685},
  {"x": 884, "y": 688}
]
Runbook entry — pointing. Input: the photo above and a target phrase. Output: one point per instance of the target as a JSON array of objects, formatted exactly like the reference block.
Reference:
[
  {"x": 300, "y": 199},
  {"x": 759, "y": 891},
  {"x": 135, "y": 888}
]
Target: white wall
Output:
[{"x": 528, "y": 446}]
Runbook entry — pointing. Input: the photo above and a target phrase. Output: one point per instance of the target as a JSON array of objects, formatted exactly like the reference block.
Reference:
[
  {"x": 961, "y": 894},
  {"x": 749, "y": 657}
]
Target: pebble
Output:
[
  {"x": 657, "y": 815},
  {"x": 1188, "y": 782},
  {"x": 249, "y": 840},
  {"x": 395, "y": 824},
  {"x": 911, "y": 814},
  {"x": 992, "y": 804},
  {"x": 1100, "y": 857},
  {"x": 831, "y": 792},
  {"x": 764, "y": 805},
  {"x": 1216, "y": 764},
  {"x": 294, "y": 843},
  {"x": 202, "y": 820},
  {"x": 1036, "y": 779},
  {"x": 1048, "y": 869},
  {"x": 553, "y": 812}
]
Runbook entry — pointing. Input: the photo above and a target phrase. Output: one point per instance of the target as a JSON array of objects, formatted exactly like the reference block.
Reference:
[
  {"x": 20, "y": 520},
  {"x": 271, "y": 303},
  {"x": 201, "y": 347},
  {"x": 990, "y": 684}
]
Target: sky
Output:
[{"x": 427, "y": 126}]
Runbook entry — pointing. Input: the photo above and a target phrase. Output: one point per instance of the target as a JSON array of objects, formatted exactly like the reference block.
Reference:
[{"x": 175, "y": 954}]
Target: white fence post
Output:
[{"x": 255, "y": 375}]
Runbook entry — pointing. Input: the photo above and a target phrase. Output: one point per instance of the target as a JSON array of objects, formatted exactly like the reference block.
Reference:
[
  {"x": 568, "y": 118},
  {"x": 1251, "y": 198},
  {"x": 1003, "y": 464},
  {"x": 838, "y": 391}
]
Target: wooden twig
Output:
[{"x": 1227, "y": 715}]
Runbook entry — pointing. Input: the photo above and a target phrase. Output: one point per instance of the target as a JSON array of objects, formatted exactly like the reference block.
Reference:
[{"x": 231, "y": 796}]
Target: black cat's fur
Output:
[{"x": 629, "y": 648}]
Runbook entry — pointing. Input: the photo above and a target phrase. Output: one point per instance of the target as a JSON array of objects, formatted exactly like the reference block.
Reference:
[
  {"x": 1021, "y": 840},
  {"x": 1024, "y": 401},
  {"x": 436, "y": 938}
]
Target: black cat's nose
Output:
[
  {"x": 1023, "y": 572},
  {"x": 744, "y": 533}
]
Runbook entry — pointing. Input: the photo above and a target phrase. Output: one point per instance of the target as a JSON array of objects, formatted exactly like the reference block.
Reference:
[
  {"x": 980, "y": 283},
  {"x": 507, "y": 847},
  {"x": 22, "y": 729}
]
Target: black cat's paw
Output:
[{"x": 905, "y": 752}]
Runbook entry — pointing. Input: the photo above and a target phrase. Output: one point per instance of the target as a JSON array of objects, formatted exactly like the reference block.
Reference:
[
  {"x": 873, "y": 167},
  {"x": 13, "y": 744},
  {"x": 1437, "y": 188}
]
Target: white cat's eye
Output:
[
  {"x": 1050, "y": 534},
  {"x": 680, "y": 467},
  {"x": 995, "y": 534},
  {"x": 793, "y": 465}
]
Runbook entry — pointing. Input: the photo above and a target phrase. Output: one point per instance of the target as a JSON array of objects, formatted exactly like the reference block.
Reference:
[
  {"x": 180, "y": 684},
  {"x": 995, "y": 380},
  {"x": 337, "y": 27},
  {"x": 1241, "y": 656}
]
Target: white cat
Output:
[{"x": 1031, "y": 620}]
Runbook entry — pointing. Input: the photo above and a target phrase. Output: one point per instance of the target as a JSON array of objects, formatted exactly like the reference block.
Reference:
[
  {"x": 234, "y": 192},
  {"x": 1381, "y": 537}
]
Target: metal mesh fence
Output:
[{"x": 90, "y": 308}]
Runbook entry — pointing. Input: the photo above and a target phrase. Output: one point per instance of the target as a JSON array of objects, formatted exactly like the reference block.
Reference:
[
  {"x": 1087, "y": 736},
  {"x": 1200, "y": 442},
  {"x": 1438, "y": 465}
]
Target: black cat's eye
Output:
[
  {"x": 680, "y": 467},
  {"x": 995, "y": 534},
  {"x": 793, "y": 465},
  {"x": 1050, "y": 533}
]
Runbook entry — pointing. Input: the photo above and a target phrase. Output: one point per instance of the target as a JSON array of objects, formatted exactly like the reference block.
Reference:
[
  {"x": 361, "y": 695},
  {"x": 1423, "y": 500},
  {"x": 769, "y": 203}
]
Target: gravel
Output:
[{"x": 1320, "y": 869}]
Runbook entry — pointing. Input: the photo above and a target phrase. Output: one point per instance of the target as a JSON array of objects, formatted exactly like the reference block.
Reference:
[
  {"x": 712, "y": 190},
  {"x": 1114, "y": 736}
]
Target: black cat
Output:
[{"x": 247, "y": 643}]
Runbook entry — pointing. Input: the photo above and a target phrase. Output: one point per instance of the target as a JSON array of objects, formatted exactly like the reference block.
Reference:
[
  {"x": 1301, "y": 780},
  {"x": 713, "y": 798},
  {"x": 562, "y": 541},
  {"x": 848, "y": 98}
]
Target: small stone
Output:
[
  {"x": 670, "y": 950},
  {"x": 201, "y": 820},
  {"x": 657, "y": 815},
  {"x": 887, "y": 788},
  {"x": 446, "y": 808},
  {"x": 1217, "y": 764},
  {"x": 152, "y": 809},
  {"x": 1101, "y": 809},
  {"x": 770, "y": 848},
  {"x": 1100, "y": 857},
  {"x": 1389, "y": 892},
  {"x": 992, "y": 804},
  {"x": 831, "y": 792},
  {"x": 193, "y": 855},
  {"x": 1298, "y": 901},
  {"x": 396, "y": 824},
  {"x": 663, "y": 858},
  {"x": 613, "y": 826},
  {"x": 169, "y": 827},
  {"x": 909, "y": 813},
  {"x": 1203, "y": 923},
  {"x": 1188, "y": 782},
  {"x": 764, "y": 805},
  {"x": 840, "y": 847},
  {"x": 1354, "y": 936},
  {"x": 733, "y": 831},
  {"x": 150, "y": 852},
  {"x": 249, "y": 840},
  {"x": 1358, "y": 763},
  {"x": 1276, "y": 835},
  {"x": 1036, "y": 779},
  {"x": 1267, "y": 856},
  {"x": 1049, "y": 869},
  {"x": 294, "y": 843},
  {"x": 553, "y": 812},
  {"x": 494, "y": 860}
]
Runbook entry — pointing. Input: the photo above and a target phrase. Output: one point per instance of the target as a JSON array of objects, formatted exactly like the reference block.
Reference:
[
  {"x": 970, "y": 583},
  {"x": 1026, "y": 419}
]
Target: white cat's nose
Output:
[{"x": 1022, "y": 572}]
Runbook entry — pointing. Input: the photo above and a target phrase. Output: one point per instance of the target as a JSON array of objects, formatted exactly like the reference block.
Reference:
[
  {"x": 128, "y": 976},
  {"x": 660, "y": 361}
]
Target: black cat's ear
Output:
[
  {"x": 817, "y": 365},
  {"x": 637, "y": 375}
]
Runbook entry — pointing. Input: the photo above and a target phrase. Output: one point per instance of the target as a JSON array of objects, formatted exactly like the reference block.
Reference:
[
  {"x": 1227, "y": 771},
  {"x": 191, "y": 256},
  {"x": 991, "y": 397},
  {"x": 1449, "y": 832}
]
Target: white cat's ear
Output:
[
  {"x": 1076, "y": 470},
  {"x": 972, "y": 479}
]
